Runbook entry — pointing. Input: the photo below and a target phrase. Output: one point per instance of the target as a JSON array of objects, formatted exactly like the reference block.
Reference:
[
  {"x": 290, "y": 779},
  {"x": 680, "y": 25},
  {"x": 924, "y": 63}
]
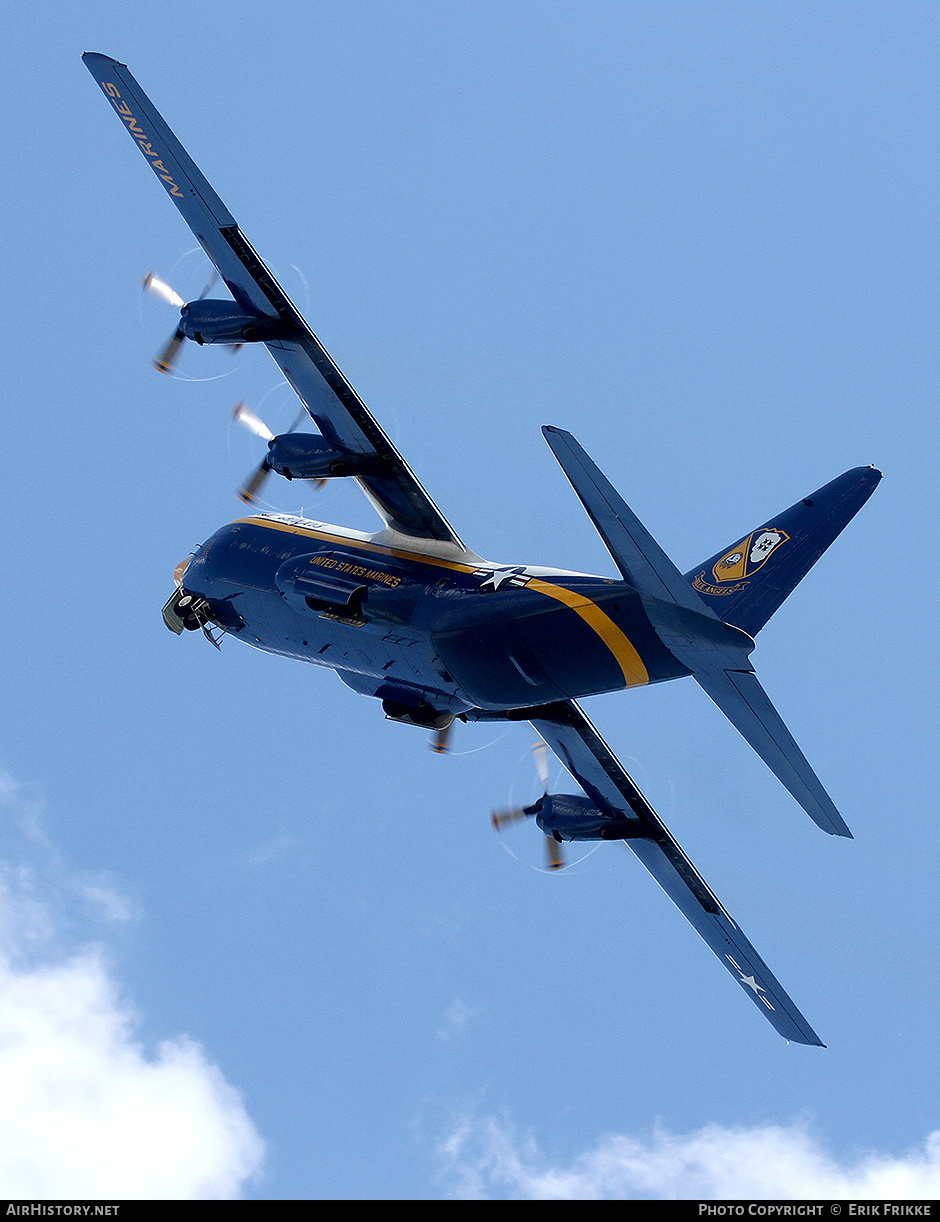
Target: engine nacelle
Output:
[
  {"x": 310, "y": 456},
  {"x": 223, "y": 322},
  {"x": 568, "y": 816}
]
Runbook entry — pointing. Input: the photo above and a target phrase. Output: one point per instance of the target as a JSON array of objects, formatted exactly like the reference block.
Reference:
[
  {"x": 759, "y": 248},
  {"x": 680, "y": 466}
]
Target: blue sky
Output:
[{"x": 239, "y": 903}]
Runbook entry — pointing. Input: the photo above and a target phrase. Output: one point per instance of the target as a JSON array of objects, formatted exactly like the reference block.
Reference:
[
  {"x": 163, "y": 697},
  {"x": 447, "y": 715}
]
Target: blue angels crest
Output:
[{"x": 747, "y": 556}]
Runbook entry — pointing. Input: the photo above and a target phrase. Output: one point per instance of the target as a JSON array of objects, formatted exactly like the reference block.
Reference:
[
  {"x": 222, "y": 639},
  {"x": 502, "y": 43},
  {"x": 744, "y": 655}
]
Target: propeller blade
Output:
[
  {"x": 248, "y": 492},
  {"x": 210, "y": 285},
  {"x": 509, "y": 816},
  {"x": 542, "y": 753},
  {"x": 165, "y": 361},
  {"x": 441, "y": 740},
  {"x": 506, "y": 818},
  {"x": 243, "y": 415},
  {"x": 554, "y": 854},
  {"x": 160, "y": 288}
]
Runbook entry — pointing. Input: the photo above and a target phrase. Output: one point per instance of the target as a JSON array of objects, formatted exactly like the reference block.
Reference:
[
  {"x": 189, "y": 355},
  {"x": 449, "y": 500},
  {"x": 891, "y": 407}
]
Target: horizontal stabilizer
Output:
[
  {"x": 636, "y": 553},
  {"x": 747, "y": 706},
  {"x": 694, "y": 626},
  {"x": 747, "y": 582}
]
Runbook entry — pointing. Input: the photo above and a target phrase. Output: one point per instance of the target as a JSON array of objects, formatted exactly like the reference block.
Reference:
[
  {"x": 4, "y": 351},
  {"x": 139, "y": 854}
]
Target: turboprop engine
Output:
[{"x": 222, "y": 322}]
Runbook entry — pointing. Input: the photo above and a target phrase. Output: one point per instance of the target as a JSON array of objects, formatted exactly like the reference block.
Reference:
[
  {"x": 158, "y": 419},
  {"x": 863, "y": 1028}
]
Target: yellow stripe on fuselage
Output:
[
  {"x": 620, "y": 645},
  {"x": 635, "y": 673}
]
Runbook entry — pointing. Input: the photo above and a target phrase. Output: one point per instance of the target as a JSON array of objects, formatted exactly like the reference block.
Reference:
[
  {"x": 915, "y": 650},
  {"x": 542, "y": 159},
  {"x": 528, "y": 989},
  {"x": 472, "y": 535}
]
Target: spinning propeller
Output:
[
  {"x": 243, "y": 415},
  {"x": 554, "y": 853},
  {"x": 165, "y": 360},
  {"x": 307, "y": 456},
  {"x": 441, "y": 740}
]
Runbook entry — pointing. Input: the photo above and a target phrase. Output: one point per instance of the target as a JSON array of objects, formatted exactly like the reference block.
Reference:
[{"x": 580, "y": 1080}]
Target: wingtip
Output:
[
  {"x": 832, "y": 828},
  {"x": 808, "y": 1038},
  {"x": 835, "y": 825},
  {"x": 99, "y": 55}
]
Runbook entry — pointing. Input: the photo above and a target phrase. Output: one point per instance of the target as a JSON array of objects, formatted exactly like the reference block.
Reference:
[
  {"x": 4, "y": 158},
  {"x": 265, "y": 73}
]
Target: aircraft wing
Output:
[
  {"x": 602, "y": 777},
  {"x": 337, "y": 410}
]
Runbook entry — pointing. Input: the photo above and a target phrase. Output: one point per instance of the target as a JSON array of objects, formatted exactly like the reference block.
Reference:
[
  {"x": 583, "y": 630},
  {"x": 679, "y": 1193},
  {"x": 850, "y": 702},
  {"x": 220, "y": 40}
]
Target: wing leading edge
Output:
[
  {"x": 602, "y": 777},
  {"x": 337, "y": 410}
]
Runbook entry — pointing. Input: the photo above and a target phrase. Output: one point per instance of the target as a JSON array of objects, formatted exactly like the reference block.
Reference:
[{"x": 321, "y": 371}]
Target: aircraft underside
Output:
[
  {"x": 413, "y": 617},
  {"x": 418, "y": 629}
]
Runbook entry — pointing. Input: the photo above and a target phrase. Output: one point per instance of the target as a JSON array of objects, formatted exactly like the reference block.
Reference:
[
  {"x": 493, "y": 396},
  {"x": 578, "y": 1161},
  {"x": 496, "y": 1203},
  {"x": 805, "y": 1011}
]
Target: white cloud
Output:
[
  {"x": 457, "y": 1018},
  {"x": 87, "y": 1112},
  {"x": 486, "y": 1159},
  {"x": 99, "y": 890},
  {"x": 271, "y": 849}
]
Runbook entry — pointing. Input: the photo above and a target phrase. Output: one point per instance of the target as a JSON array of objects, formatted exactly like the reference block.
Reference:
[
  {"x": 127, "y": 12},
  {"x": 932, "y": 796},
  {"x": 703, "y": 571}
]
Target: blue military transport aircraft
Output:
[{"x": 410, "y": 616}]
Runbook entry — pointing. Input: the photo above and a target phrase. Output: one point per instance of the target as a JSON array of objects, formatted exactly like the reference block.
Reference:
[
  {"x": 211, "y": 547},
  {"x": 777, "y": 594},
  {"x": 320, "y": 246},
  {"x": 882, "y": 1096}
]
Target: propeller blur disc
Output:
[
  {"x": 441, "y": 740},
  {"x": 243, "y": 415},
  {"x": 542, "y": 754},
  {"x": 249, "y": 490},
  {"x": 506, "y": 818},
  {"x": 165, "y": 360},
  {"x": 159, "y": 288},
  {"x": 554, "y": 854}
]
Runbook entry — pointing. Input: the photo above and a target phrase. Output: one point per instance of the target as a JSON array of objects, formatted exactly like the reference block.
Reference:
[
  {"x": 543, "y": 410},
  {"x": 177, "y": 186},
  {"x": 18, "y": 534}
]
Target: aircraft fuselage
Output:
[{"x": 409, "y": 626}]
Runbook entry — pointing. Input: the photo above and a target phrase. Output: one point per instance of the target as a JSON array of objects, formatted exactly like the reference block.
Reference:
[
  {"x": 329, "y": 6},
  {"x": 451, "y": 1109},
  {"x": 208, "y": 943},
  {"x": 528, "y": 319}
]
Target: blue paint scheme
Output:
[
  {"x": 221, "y": 322},
  {"x": 309, "y": 456},
  {"x": 810, "y": 526},
  {"x": 412, "y": 617},
  {"x": 427, "y": 630}
]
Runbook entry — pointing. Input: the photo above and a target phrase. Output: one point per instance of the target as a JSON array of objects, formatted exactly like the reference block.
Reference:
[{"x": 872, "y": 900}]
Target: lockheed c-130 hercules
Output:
[{"x": 409, "y": 615}]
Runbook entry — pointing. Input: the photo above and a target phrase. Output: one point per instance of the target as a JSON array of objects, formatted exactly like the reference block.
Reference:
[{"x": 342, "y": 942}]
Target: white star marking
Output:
[
  {"x": 497, "y": 577},
  {"x": 751, "y": 983}
]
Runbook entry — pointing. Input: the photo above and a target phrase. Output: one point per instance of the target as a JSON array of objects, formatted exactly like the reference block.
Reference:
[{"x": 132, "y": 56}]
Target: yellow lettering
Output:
[{"x": 356, "y": 570}]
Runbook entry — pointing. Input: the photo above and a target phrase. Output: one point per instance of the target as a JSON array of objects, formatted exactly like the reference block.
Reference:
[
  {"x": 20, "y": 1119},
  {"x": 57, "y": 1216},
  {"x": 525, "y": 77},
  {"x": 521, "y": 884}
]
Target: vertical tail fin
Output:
[
  {"x": 698, "y": 617},
  {"x": 746, "y": 583}
]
